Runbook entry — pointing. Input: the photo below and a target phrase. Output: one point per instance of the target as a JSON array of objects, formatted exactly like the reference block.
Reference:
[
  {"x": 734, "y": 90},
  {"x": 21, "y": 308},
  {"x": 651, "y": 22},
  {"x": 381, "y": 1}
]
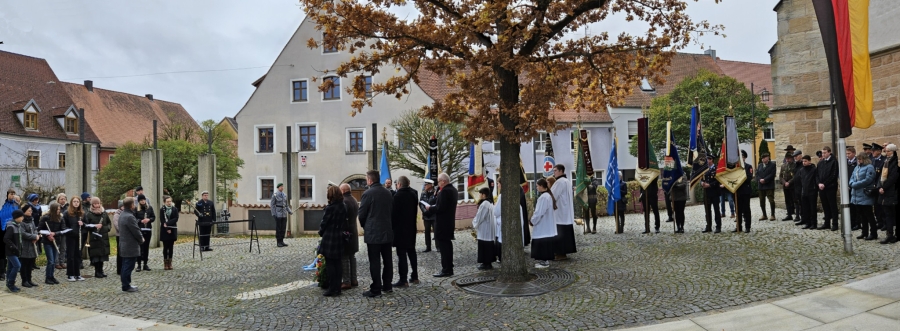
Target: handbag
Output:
[{"x": 869, "y": 191}]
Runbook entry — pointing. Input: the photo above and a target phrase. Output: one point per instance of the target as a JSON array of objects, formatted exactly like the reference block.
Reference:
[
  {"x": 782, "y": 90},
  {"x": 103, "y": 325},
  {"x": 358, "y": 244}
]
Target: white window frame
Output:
[
  {"x": 318, "y": 141},
  {"x": 336, "y": 51},
  {"x": 313, "y": 190},
  {"x": 259, "y": 186},
  {"x": 291, "y": 90},
  {"x": 256, "y": 139},
  {"x": 347, "y": 140},
  {"x": 64, "y": 158},
  {"x": 39, "y": 155},
  {"x": 769, "y": 126},
  {"x": 628, "y": 129},
  {"x": 495, "y": 144},
  {"x": 572, "y": 140},
  {"x": 543, "y": 148},
  {"x": 340, "y": 93}
]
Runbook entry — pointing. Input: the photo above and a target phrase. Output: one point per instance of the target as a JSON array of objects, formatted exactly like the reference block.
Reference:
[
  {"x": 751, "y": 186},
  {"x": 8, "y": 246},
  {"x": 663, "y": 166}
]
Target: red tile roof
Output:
[
  {"x": 121, "y": 117},
  {"x": 683, "y": 65},
  {"x": 759, "y": 74},
  {"x": 24, "y": 78}
]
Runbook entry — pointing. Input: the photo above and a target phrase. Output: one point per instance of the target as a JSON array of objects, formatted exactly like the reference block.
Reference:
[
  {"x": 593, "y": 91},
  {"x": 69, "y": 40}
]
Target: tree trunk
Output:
[{"x": 515, "y": 267}]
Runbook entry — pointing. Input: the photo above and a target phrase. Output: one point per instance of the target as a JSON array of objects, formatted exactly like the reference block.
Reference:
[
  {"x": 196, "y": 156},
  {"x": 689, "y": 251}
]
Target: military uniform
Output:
[
  {"x": 711, "y": 199},
  {"x": 280, "y": 211},
  {"x": 788, "y": 169},
  {"x": 206, "y": 214}
]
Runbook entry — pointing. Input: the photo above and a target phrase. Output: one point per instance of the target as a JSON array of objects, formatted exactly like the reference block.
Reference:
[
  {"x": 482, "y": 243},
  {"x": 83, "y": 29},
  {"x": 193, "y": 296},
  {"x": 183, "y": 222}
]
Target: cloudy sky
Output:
[{"x": 204, "y": 54}]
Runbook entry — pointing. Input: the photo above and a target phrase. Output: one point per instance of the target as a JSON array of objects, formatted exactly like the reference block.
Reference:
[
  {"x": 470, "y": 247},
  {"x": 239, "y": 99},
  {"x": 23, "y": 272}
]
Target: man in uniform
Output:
[
  {"x": 851, "y": 166},
  {"x": 591, "y": 209},
  {"x": 878, "y": 163},
  {"x": 867, "y": 149},
  {"x": 428, "y": 197},
  {"x": 765, "y": 177},
  {"x": 280, "y": 211},
  {"x": 788, "y": 168},
  {"x": 206, "y": 214},
  {"x": 711, "y": 187},
  {"x": 827, "y": 181}
]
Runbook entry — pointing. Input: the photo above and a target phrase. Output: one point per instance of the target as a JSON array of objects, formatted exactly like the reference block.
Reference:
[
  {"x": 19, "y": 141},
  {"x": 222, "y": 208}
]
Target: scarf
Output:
[
  {"x": 168, "y": 211},
  {"x": 98, "y": 211}
]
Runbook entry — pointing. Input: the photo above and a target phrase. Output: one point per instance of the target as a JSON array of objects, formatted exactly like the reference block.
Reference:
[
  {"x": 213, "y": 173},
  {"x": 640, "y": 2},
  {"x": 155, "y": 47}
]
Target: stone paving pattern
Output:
[{"x": 622, "y": 280}]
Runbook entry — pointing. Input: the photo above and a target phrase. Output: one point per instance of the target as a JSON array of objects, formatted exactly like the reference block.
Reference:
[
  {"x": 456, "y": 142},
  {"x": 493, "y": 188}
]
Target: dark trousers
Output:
[
  {"x": 789, "y": 201},
  {"x": 798, "y": 207},
  {"x": 711, "y": 205},
  {"x": 829, "y": 205},
  {"x": 650, "y": 205},
  {"x": 127, "y": 268},
  {"x": 118, "y": 257},
  {"x": 27, "y": 268},
  {"x": 280, "y": 228},
  {"x": 679, "y": 213},
  {"x": 334, "y": 271},
  {"x": 866, "y": 216},
  {"x": 379, "y": 253},
  {"x": 446, "y": 247},
  {"x": 429, "y": 227},
  {"x": 890, "y": 219},
  {"x": 879, "y": 216},
  {"x": 145, "y": 246},
  {"x": 808, "y": 210},
  {"x": 592, "y": 211},
  {"x": 668, "y": 205},
  {"x": 205, "y": 232},
  {"x": 403, "y": 267},
  {"x": 51, "y": 256},
  {"x": 770, "y": 195},
  {"x": 98, "y": 268},
  {"x": 743, "y": 201},
  {"x": 73, "y": 255},
  {"x": 854, "y": 219},
  {"x": 168, "y": 249}
]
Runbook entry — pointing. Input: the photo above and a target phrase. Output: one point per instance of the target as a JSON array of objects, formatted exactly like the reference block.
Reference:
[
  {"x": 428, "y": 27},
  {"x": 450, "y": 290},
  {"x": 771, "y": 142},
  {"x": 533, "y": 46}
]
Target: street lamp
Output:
[{"x": 764, "y": 96}]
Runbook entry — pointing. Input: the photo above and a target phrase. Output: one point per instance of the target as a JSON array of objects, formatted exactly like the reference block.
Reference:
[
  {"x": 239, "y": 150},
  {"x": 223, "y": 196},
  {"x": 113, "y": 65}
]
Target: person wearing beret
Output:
[{"x": 280, "y": 211}]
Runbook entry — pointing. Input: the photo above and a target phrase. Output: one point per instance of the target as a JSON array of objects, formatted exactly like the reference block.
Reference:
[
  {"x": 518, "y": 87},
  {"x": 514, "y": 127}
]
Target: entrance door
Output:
[{"x": 357, "y": 187}]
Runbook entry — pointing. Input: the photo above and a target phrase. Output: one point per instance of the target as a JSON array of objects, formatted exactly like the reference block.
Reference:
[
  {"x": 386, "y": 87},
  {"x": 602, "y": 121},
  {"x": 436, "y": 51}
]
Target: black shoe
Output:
[
  {"x": 862, "y": 236},
  {"x": 49, "y": 281},
  {"x": 707, "y": 230},
  {"x": 718, "y": 230},
  {"x": 834, "y": 228},
  {"x": 426, "y": 250},
  {"x": 670, "y": 220},
  {"x": 400, "y": 284},
  {"x": 657, "y": 230},
  {"x": 855, "y": 227},
  {"x": 32, "y": 284},
  {"x": 146, "y": 267},
  {"x": 388, "y": 290},
  {"x": 645, "y": 232},
  {"x": 824, "y": 227},
  {"x": 282, "y": 245},
  {"x": 369, "y": 294},
  {"x": 328, "y": 293},
  {"x": 485, "y": 266},
  {"x": 131, "y": 289},
  {"x": 788, "y": 218},
  {"x": 35, "y": 268},
  {"x": 872, "y": 236},
  {"x": 747, "y": 231},
  {"x": 25, "y": 284},
  {"x": 889, "y": 240},
  {"x": 800, "y": 223},
  {"x": 137, "y": 269},
  {"x": 442, "y": 274}
]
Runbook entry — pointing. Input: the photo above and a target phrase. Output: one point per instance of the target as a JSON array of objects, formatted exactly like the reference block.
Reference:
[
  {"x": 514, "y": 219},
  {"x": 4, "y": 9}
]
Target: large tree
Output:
[
  {"x": 415, "y": 131},
  {"x": 511, "y": 64},
  {"x": 718, "y": 96}
]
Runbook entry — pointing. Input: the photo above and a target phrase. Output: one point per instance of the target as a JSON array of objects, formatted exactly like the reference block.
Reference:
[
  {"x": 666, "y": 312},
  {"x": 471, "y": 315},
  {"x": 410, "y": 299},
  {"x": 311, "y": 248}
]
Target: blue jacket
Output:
[
  {"x": 863, "y": 176},
  {"x": 6, "y": 212}
]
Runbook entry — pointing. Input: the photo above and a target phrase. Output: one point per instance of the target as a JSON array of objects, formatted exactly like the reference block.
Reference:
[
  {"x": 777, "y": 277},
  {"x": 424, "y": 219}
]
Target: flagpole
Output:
[{"x": 846, "y": 232}]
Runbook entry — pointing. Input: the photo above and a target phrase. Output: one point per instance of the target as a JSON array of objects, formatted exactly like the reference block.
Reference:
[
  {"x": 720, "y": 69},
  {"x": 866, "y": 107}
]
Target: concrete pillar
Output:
[
  {"x": 206, "y": 179},
  {"x": 294, "y": 226},
  {"x": 152, "y": 182},
  {"x": 74, "y": 170}
]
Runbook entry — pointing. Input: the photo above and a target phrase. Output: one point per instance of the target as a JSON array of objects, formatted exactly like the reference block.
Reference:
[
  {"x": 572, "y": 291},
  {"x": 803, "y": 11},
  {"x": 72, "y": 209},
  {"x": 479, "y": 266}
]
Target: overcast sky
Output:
[{"x": 104, "y": 40}]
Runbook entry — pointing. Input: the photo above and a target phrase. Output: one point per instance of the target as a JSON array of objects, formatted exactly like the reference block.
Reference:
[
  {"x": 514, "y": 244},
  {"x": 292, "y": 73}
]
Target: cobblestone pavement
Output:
[{"x": 623, "y": 280}]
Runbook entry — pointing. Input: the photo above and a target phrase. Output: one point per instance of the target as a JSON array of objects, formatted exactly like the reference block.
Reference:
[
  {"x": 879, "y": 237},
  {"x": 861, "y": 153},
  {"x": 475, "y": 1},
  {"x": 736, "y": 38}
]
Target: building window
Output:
[
  {"x": 299, "y": 90},
  {"x": 356, "y": 142},
  {"x": 111, "y": 157},
  {"x": 326, "y": 49},
  {"x": 769, "y": 132},
  {"x": 368, "y": 80},
  {"x": 308, "y": 138},
  {"x": 61, "y": 161},
  {"x": 34, "y": 160},
  {"x": 266, "y": 188},
  {"x": 333, "y": 93},
  {"x": 31, "y": 121},
  {"x": 305, "y": 189},
  {"x": 71, "y": 125},
  {"x": 539, "y": 142},
  {"x": 403, "y": 144},
  {"x": 646, "y": 86},
  {"x": 632, "y": 130},
  {"x": 266, "y": 140}
]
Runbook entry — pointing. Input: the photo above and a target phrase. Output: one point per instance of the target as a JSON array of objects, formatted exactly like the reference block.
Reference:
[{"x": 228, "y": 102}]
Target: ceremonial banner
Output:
[
  {"x": 586, "y": 151},
  {"x": 731, "y": 178},
  {"x": 549, "y": 160},
  {"x": 698, "y": 149},
  {"x": 385, "y": 168},
  {"x": 844, "y": 25},
  {"x": 612, "y": 179},
  {"x": 672, "y": 169},
  {"x": 582, "y": 169},
  {"x": 648, "y": 165},
  {"x": 477, "y": 179},
  {"x": 433, "y": 162}
]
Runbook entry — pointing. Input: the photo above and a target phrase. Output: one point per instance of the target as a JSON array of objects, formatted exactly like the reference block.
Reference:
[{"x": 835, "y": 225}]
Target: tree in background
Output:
[
  {"x": 508, "y": 66},
  {"x": 716, "y": 93},
  {"x": 411, "y": 150},
  {"x": 764, "y": 148},
  {"x": 181, "y": 144}
]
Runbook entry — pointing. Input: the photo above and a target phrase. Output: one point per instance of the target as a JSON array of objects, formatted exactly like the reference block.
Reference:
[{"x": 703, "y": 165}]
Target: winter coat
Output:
[
  {"x": 331, "y": 229},
  {"x": 788, "y": 170},
  {"x": 807, "y": 179},
  {"x": 543, "y": 218},
  {"x": 99, "y": 238},
  {"x": 889, "y": 184},
  {"x": 444, "y": 210},
  {"x": 622, "y": 203},
  {"x": 29, "y": 235},
  {"x": 147, "y": 213},
  {"x": 562, "y": 190},
  {"x": 351, "y": 246},
  {"x": 54, "y": 227},
  {"x": 12, "y": 239},
  {"x": 169, "y": 232},
  {"x": 766, "y": 172},
  {"x": 375, "y": 215},
  {"x": 827, "y": 173},
  {"x": 6, "y": 212},
  {"x": 72, "y": 223},
  {"x": 863, "y": 176},
  {"x": 404, "y": 214},
  {"x": 130, "y": 237},
  {"x": 484, "y": 222}
]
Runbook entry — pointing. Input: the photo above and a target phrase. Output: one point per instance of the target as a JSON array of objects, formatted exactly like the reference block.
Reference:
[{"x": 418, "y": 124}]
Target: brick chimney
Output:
[
  {"x": 89, "y": 85},
  {"x": 149, "y": 96}
]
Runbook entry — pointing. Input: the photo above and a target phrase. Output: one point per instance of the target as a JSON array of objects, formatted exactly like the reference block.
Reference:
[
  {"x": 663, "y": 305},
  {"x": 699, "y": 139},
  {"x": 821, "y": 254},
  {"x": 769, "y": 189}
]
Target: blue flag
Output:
[
  {"x": 695, "y": 122},
  {"x": 612, "y": 179},
  {"x": 385, "y": 167},
  {"x": 672, "y": 170}
]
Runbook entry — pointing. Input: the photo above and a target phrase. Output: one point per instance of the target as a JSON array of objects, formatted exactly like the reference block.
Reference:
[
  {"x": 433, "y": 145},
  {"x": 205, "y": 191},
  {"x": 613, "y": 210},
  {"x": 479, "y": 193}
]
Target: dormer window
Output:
[
  {"x": 645, "y": 85},
  {"x": 31, "y": 120},
  {"x": 71, "y": 125}
]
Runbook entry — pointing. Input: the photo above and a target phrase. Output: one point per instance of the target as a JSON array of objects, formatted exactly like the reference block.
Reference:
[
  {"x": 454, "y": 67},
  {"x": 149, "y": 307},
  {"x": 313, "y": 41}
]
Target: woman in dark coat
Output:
[
  {"x": 74, "y": 219},
  {"x": 53, "y": 224},
  {"x": 98, "y": 235},
  {"x": 29, "y": 251},
  {"x": 887, "y": 189},
  {"x": 331, "y": 230},
  {"x": 145, "y": 216},
  {"x": 168, "y": 234}
]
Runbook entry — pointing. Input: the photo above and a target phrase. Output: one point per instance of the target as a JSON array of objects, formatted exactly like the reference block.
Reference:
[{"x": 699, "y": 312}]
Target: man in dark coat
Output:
[
  {"x": 651, "y": 197},
  {"x": 429, "y": 197},
  {"x": 711, "y": 190},
  {"x": 351, "y": 247},
  {"x": 130, "y": 239},
  {"x": 404, "y": 214},
  {"x": 806, "y": 177},
  {"x": 206, "y": 215},
  {"x": 765, "y": 180},
  {"x": 797, "y": 187},
  {"x": 743, "y": 195},
  {"x": 878, "y": 162},
  {"x": 444, "y": 210},
  {"x": 375, "y": 218},
  {"x": 827, "y": 180}
]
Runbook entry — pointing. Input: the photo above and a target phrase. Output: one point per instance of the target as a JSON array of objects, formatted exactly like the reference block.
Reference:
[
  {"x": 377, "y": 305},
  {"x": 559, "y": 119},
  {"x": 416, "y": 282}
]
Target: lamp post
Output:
[{"x": 764, "y": 96}]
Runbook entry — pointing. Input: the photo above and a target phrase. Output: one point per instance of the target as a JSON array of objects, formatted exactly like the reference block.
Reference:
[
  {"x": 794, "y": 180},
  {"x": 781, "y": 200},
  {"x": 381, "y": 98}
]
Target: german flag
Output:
[{"x": 844, "y": 25}]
